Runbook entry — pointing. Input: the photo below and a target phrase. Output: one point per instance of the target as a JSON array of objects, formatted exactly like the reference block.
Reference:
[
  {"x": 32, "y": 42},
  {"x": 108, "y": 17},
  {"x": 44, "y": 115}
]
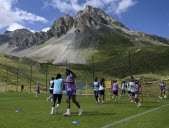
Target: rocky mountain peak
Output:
[
  {"x": 91, "y": 10},
  {"x": 61, "y": 26},
  {"x": 92, "y": 17}
]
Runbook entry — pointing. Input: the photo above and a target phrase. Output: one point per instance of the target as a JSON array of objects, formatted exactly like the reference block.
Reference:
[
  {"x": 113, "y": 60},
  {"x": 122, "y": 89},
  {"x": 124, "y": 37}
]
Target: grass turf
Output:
[{"x": 35, "y": 112}]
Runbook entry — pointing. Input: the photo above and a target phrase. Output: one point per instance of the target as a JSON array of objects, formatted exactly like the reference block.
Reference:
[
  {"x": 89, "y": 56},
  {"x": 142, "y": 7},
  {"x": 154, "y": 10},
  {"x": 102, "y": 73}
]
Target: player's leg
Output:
[
  {"x": 77, "y": 104},
  {"x": 54, "y": 102},
  {"x": 68, "y": 97},
  {"x": 59, "y": 101},
  {"x": 96, "y": 96},
  {"x": 103, "y": 96}
]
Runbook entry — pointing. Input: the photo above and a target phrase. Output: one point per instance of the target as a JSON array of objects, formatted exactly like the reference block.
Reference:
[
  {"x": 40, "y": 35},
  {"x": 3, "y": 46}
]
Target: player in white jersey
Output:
[
  {"x": 133, "y": 88},
  {"x": 51, "y": 86},
  {"x": 101, "y": 91},
  {"x": 96, "y": 89}
]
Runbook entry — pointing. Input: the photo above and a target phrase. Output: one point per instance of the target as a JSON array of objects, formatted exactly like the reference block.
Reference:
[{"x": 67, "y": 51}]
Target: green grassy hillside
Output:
[{"x": 111, "y": 60}]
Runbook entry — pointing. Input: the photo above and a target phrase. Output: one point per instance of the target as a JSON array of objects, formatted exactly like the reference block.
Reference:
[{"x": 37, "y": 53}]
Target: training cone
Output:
[
  {"x": 18, "y": 111},
  {"x": 75, "y": 122}
]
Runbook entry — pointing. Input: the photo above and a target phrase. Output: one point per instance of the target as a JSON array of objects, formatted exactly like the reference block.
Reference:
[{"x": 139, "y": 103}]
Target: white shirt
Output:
[{"x": 132, "y": 86}]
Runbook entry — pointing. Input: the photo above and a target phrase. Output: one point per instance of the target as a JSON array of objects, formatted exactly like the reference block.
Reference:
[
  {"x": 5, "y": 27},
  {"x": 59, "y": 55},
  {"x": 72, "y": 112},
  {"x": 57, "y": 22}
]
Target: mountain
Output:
[{"x": 75, "y": 38}]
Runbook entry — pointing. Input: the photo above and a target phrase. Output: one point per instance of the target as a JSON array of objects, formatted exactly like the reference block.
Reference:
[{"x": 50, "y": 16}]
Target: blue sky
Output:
[{"x": 149, "y": 16}]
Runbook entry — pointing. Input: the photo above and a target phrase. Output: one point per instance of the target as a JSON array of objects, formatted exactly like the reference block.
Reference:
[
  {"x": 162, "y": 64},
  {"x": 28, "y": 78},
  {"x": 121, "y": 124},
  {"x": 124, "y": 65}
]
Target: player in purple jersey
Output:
[
  {"x": 162, "y": 90},
  {"x": 38, "y": 89},
  {"x": 115, "y": 90},
  {"x": 71, "y": 91}
]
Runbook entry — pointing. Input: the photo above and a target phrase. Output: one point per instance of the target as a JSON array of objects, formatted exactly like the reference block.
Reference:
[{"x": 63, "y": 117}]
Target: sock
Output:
[
  {"x": 68, "y": 110},
  {"x": 53, "y": 108},
  {"x": 57, "y": 105}
]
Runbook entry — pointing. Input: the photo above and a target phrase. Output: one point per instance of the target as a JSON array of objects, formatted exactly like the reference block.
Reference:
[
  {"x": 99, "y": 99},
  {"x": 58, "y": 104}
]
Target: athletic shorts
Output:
[
  {"x": 71, "y": 93},
  {"x": 115, "y": 92},
  {"x": 96, "y": 92},
  {"x": 123, "y": 90},
  {"x": 137, "y": 92},
  {"x": 101, "y": 92},
  {"x": 133, "y": 93},
  {"x": 51, "y": 91},
  {"x": 38, "y": 91},
  {"x": 162, "y": 90},
  {"x": 57, "y": 96},
  {"x": 129, "y": 92}
]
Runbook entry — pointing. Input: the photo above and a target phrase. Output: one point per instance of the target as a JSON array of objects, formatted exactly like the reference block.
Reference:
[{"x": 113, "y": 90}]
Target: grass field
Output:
[{"x": 35, "y": 113}]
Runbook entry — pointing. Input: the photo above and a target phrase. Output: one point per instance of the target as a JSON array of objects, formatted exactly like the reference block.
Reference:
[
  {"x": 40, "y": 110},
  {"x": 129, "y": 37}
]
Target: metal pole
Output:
[
  {"x": 6, "y": 79},
  {"x": 17, "y": 79},
  {"x": 31, "y": 78},
  {"x": 93, "y": 67},
  {"x": 129, "y": 64},
  {"x": 66, "y": 64},
  {"x": 46, "y": 76}
]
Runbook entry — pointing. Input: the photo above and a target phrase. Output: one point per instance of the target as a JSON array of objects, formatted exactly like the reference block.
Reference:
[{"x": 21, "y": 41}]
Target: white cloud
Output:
[
  {"x": 45, "y": 29},
  {"x": 124, "y": 5},
  {"x": 14, "y": 27},
  {"x": 10, "y": 15},
  {"x": 110, "y": 6}
]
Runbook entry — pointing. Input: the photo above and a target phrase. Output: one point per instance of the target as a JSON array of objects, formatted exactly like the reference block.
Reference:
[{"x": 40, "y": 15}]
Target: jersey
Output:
[
  {"x": 58, "y": 85},
  {"x": 101, "y": 87},
  {"x": 70, "y": 86},
  {"x": 123, "y": 86},
  {"x": 51, "y": 83},
  {"x": 132, "y": 86},
  {"x": 162, "y": 86},
  {"x": 114, "y": 87},
  {"x": 96, "y": 86},
  {"x": 128, "y": 87}
]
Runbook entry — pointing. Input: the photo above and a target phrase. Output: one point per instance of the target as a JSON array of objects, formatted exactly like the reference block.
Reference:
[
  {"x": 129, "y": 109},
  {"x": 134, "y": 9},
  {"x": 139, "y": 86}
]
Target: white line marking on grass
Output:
[{"x": 120, "y": 121}]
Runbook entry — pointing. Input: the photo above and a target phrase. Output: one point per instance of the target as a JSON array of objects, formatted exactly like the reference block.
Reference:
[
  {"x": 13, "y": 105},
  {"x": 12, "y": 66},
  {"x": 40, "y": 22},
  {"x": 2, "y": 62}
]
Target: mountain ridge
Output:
[{"x": 89, "y": 29}]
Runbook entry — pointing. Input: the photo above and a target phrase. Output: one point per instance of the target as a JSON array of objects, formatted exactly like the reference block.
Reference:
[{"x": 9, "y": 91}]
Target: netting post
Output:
[
  {"x": 17, "y": 78},
  {"x": 46, "y": 76},
  {"x": 129, "y": 64},
  {"x": 6, "y": 79},
  {"x": 93, "y": 67},
  {"x": 31, "y": 78},
  {"x": 86, "y": 87}
]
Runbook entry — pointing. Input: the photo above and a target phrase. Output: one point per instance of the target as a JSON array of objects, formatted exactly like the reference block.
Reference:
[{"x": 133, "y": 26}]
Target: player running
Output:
[
  {"x": 96, "y": 89},
  {"x": 128, "y": 90},
  {"x": 57, "y": 93},
  {"x": 51, "y": 85},
  {"x": 123, "y": 89},
  {"x": 115, "y": 90},
  {"x": 38, "y": 89},
  {"x": 133, "y": 88},
  {"x": 162, "y": 90},
  {"x": 101, "y": 91},
  {"x": 137, "y": 92},
  {"x": 71, "y": 92}
]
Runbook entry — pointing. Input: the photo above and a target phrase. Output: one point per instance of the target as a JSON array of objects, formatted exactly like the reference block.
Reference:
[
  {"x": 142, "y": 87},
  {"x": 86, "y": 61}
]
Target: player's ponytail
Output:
[{"x": 68, "y": 70}]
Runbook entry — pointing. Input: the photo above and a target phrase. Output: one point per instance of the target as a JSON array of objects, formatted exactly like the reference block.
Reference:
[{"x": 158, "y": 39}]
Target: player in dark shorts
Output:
[
  {"x": 57, "y": 93},
  {"x": 96, "y": 89},
  {"x": 51, "y": 86}
]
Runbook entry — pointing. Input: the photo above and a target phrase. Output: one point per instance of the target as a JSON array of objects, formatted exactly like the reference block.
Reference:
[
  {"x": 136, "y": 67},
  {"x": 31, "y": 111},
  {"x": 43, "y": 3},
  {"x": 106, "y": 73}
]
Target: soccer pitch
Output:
[{"x": 35, "y": 113}]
